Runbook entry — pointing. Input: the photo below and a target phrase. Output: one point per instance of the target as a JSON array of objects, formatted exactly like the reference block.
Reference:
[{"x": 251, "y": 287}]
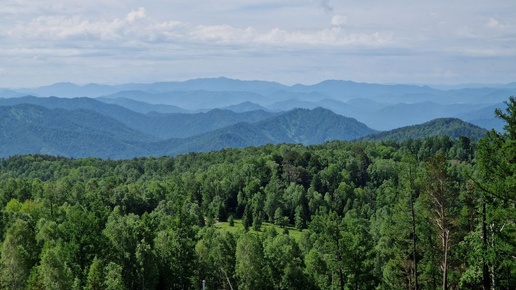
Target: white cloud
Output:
[
  {"x": 339, "y": 20},
  {"x": 494, "y": 23},
  {"x": 274, "y": 34},
  {"x": 136, "y": 27},
  {"x": 135, "y": 15}
]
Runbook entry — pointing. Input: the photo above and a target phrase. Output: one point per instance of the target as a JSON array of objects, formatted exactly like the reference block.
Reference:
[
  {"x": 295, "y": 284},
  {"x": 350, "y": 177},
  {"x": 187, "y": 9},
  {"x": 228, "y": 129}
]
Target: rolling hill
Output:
[
  {"x": 160, "y": 125},
  {"x": 312, "y": 127},
  {"x": 450, "y": 127},
  {"x": 297, "y": 126},
  {"x": 28, "y": 129}
]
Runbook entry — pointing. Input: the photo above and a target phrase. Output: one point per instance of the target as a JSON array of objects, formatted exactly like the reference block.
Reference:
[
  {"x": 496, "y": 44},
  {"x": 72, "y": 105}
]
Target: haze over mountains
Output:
[
  {"x": 169, "y": 118},
  {"x": 28, "y": 128},
  {"x": 381, "y": 107}
]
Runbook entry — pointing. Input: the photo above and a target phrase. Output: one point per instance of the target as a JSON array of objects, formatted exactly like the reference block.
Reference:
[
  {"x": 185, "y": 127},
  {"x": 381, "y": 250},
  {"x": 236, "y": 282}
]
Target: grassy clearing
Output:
[{"x": 293, "y": 232}]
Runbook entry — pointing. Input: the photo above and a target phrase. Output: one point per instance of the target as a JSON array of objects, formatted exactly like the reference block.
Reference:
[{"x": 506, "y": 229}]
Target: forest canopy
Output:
[{"x": 431, "y": 213}]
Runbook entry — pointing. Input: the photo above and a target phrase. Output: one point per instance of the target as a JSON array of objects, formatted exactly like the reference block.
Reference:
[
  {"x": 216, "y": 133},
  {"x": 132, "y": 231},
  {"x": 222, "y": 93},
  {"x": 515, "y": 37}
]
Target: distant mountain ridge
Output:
[
  {"x": 302, "y": 126},
  {"x": 336, "y": 89},
  {"x": 380, "y": 107},
  {"x": 28, "y": 128},
  {"x": 81, "y": 132},
  {"x": 450, "y": 127},
  {"x": 130, "y": 120},
  {"x": 142, "y": 107},
  {"x": 159, "y": 125}
]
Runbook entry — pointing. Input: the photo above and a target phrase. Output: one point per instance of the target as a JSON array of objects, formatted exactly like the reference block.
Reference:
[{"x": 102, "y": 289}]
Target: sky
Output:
[{"x": 287, "y": 41}]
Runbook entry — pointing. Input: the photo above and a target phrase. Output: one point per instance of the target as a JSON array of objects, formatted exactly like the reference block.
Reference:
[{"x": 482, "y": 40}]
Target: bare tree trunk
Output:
[{"x": 441, "y": 198}]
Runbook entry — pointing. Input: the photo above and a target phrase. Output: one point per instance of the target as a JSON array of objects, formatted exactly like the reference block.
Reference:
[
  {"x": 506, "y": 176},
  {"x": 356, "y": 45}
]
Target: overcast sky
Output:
[{"x": 289, "y": 41}]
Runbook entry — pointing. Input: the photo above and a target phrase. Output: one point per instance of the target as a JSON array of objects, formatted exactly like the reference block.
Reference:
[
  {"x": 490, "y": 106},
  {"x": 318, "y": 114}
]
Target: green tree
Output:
[
  {"x": 250, "y": 263},
  {"x": 129, "y": 239},
  {"x": 497, "y": 168},
  {"x": 18, "y": 249},
  {"x": 95, "y": 279},
  {"x": 285, "y": 262},
  {"x": 334, "y": 241},
  {"x": 317, "y": 269},
  {"x": 174, "y": 245},
  {"x": 113, "y": 279},
  {"x": 216, "y": 255},
  {"x": 55, "y": 271},
  {"x": 398, "y": 224}
]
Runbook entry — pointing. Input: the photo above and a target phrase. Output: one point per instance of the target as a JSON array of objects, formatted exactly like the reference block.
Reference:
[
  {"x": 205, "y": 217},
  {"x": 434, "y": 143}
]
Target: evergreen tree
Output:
[{"x": 497, "y": 164}]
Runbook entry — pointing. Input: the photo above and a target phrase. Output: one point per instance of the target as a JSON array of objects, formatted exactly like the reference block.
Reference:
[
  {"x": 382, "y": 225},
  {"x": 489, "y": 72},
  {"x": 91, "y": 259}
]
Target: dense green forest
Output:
[{"x": 432, "y": 213}]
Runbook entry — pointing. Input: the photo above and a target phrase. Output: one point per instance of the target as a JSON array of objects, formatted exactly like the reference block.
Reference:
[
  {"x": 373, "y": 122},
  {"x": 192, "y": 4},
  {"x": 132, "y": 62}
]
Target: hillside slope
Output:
[
  {"x": 450, "y": 127},
  {"x": 297, "y": 126},
  {"x": 159, "y": 125},
  {"x": 28, "y": 129}
]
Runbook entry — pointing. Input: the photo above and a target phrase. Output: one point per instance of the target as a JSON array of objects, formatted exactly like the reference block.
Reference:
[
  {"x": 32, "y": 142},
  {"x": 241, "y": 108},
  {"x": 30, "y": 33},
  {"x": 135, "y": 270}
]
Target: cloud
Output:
[
  {"x": 271, "y": 34},
  {"x": 139, "y": 29},
  {"x": 496, "y": 24},
  {"x": 135, "y": 15},
  {"x": 339, "y": 20}
]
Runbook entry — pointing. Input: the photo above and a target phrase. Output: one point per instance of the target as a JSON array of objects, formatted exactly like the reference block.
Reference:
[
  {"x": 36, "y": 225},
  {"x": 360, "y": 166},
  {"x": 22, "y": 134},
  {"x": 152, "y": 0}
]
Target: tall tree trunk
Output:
[
  {"x": 492, "y": 272},
  {"x": 341, "y": 278},
  {"x": 441, "y": 196},
  {"x": 445, "y": 259}
]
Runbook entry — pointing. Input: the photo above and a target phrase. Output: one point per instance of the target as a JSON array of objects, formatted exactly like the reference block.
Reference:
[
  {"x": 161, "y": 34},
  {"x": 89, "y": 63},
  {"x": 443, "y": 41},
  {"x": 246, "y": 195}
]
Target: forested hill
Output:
[
  {"x": 160, "y": 125},
  {"x": 313, "y": 127},
  {"x": 85, "y": 127},
  {"x": 297, "y": 126},
  {"x": 339, "y": 215},
  {"x": 26, "y": 129},
  {"x": 450, "y": 127},
  {"x": 88, "y": 133},
  {"x": 342, "y": 215}
]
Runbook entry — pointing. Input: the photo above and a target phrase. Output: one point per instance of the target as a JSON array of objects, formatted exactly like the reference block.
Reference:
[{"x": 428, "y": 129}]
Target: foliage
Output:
[{"x": 341, "y": 215}]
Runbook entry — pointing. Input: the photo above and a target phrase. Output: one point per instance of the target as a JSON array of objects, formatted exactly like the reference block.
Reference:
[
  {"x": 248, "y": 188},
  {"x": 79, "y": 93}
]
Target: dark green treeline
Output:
[{"x": 434, "y": 213}]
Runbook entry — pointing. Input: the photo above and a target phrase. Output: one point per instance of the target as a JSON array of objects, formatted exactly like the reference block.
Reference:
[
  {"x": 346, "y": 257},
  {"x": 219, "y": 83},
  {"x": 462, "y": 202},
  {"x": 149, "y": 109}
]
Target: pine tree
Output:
[{"x": 497, "y": 167}]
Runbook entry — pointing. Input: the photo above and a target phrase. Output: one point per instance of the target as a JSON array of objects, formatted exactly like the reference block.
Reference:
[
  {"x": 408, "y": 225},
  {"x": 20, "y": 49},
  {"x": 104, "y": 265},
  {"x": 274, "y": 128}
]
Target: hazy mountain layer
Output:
[
  {"x": 28, "y": 129},
  {"x": 161, "y": 126},
  {"x": 297, "y": 126},
  {"x": 450, "y": 127},
  {"x": 142, "y": 107},
  {"x": 382, "y": 107},
  {"x": 217, "y": 92}
]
